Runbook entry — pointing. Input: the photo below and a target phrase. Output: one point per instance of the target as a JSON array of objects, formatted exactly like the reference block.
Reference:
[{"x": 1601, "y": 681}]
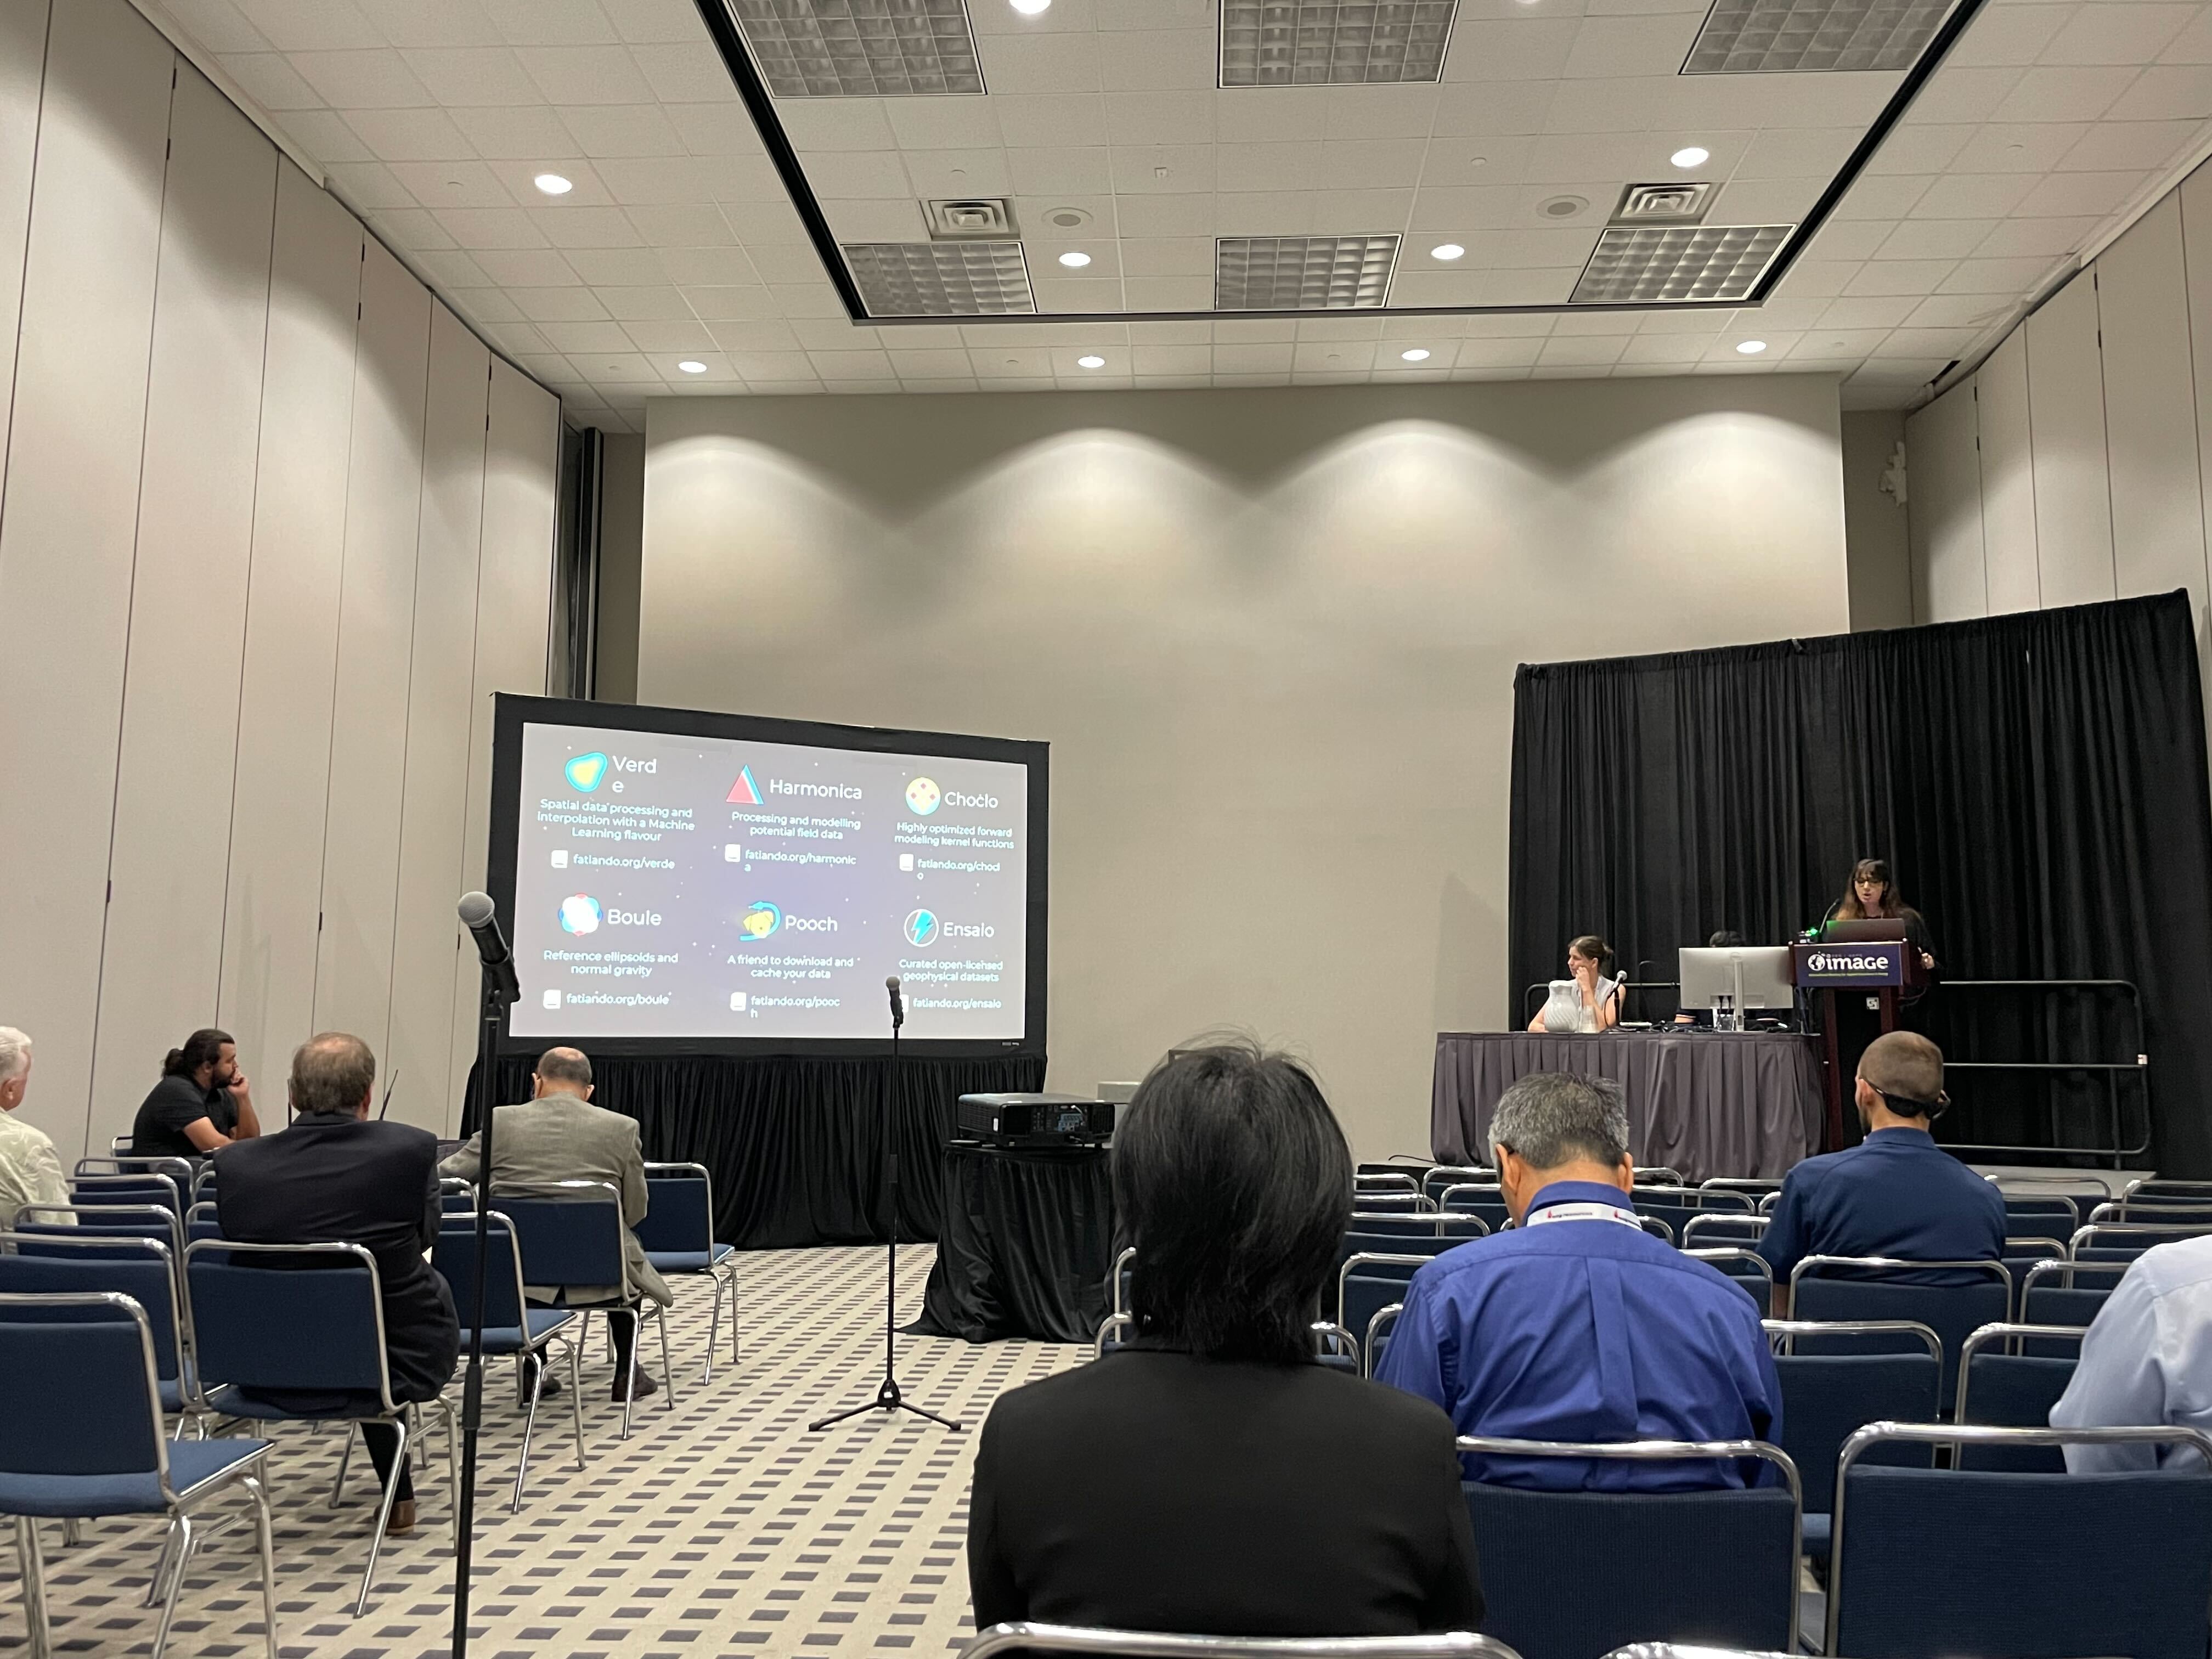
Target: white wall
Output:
[
  {"x": 256, "y": 588},
  {"x": 1271, "y": 636}
]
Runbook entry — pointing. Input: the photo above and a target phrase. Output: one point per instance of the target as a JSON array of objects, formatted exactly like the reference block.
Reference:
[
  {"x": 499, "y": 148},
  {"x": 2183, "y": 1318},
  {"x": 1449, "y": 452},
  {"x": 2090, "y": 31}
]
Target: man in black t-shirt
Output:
[{"x": 201, "y": 1104}]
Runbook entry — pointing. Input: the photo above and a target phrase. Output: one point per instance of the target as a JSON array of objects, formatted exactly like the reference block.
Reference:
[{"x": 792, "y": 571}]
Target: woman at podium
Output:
[{"x": 1873, "y": 897}]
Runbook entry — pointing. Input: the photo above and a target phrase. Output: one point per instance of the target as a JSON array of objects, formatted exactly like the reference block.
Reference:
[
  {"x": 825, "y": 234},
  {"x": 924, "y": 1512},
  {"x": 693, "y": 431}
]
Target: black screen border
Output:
[{"x": 512, "y": 712}]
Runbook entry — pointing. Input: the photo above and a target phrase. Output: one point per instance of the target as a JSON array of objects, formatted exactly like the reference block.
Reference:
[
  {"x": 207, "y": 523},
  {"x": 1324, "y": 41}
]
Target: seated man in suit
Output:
[
  {"x": 337, "y": 1175},
  {"x": 1579, "y": 1325},
  {"x": 558, "y": 1135}
]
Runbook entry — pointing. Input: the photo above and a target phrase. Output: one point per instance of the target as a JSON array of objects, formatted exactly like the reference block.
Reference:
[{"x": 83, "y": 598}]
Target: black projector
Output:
[{"x": 1035, "y": 1120}]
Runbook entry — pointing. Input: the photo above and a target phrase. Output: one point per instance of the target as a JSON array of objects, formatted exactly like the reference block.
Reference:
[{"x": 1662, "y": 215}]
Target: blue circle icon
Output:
[{"x": 921, "y": 928}]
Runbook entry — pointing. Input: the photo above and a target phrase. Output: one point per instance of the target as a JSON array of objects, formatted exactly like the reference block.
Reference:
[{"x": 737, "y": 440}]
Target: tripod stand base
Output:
[{"x": 888, "y": 1399}]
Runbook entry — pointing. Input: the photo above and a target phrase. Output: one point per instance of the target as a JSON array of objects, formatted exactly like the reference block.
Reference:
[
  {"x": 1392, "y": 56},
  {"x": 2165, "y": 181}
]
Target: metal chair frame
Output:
[
  {"x": 1966, "y": 1434},
  {"x": 1114, "y": 1321},
  {"x": 1695, "y": 1198},
  {"x": 1008, "y": 1640},
  {"x": 1788, "y": 1330},
  {"x": 1436, "y": 1219},
  {"x": 533, "y": 1348},
  {"x": 133, "y": 1185},
  {"x": 1893, "y": 1263},
  {"x": 247, "y": 1472},
  {"x": 1377, "y": 1182},
  {"x": 177, "y": 1169},
  {"x": 633, "y": 1300},
  {"x": 396, "y": 1415},
  {"x": 1724, "y": 1218},
  {"x": 2073, "y": 1245},
  {"x": 2201, "y": 1188},
  {"x": 1486, "y": 1189},
  {"x": 172, "y": 1221},
  {"x": 2011, "y": 1335},
  {"x": 1387, "y": 1258},
  {"x": 2065, "y": 1267},
  {"x": 180, "y": 1313},
  {"x": 1385, "y": 1316},
  {"x": 723, "y": 1274},
  {"x": 1755, "y": 1187},
  {"x": 2146, "y": 1211},
  {"x": 1127, "y": 1255},
  {"x": 1718, "y": 1254}
]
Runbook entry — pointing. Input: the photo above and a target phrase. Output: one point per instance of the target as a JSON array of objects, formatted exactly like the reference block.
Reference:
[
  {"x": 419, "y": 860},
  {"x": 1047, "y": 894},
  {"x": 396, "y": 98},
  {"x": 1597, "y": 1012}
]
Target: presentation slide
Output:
[{"x": 674, "y": 885}]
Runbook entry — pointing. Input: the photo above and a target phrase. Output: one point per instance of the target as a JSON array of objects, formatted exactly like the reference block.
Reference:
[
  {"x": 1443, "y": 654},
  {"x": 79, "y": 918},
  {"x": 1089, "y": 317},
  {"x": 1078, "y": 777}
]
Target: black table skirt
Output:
[
  {"x": 1705, "y": 1103},
  {"x": 1024, "y": 1240}
]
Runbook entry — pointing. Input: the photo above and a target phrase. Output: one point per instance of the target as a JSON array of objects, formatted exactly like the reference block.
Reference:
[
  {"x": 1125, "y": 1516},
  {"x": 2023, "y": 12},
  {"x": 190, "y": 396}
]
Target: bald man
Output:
[
  {"x": 1896, "y": 1192},
  {"x": 558, "y": 1135}
]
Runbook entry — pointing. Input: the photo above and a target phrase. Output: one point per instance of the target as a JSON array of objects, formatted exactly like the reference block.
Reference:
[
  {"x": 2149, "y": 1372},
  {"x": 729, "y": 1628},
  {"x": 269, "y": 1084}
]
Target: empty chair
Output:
[
  {"x": 93, "y": 1447},
  {"x": 1369, "y": 1281},
  {"x": 2022, "y": 1255},
  {"x": 2155, "y": 1189},
  {"x": 135, "y": 1187},
  {"x": 180, "y": 1171},
  {"x": 1401, "y": 1224},
  {"x": 1007, "y": 1641},
  {"x": 1393, "y": 1201},
  {"x": 1754, "y": 1187},
  {"x": 1441, "y": 1176},
  {"x": 2068, "y": 1293},
  {"x": 1836, "y": 1379},
  {"x": 2010, "y": 1377},
  {"x": 1376, "y": 1339},
  {"x": 203, "y": 1221},
  {"x": 1486, "y": 1199},
  {"x": 1880, "y": 1293},
  {"x": 2048, "y": 1213},
  {"x": 2057, "y": 1564},
  {"x": 1721, "y": 1229},
  {"x": 1748, "y": 1268},
  {"x": 1680, "y": 1205},
  {"x": 677, "y": 1234},
  {"x": 1372, "y": 1180},
  {"x": 109, "y": 1220},
  {"x": 511, "y": 1326},
  {"x": 2124, "y": 1240},
  {"x": 50, "y": 1264},
  {"x": 1717, "y": 1566}
]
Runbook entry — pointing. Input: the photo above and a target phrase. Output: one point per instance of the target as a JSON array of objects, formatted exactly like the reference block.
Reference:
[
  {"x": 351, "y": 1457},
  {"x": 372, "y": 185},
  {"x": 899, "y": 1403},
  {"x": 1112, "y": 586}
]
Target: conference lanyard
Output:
[{"x": 1585, "y": 1211}]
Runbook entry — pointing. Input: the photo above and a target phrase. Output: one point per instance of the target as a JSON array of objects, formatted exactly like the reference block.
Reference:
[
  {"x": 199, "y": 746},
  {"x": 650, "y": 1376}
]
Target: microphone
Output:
[
  {"x": 898, "y": 1003},
  {"x": 480, "y": 917},
  {"x": 389, "y": 1084}
]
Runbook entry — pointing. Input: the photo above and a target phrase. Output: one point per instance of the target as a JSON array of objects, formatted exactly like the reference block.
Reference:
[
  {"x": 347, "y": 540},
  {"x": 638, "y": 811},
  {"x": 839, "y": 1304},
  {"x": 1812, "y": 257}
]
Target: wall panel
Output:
[
  {"x": 440, "y": 692},
  {"x": 2066, "y": 416},
  {"x": 376, "y": 620},
  {"x": 67, "y": 535},
  {"x": 22, "y": 72},
  {"x": 286, "y": 696},
  {"x": 163, "y": 956},
  {"x": 1945, "y": 510},
  {"x": 2008, "y": 480},
  {"x": 2150, "y": 409}
]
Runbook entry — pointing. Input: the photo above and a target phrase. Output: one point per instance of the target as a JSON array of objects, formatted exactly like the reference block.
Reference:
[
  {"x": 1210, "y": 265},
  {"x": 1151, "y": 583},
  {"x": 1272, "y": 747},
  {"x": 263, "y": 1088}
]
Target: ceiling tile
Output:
[
  {"x": 540, "y": 267},
  {"x": 592, "y": 227},
  {"x": 558, "y": 304},
  {"x": 1041, "y": 63},
  {"x": 625, "y": 129},
  {"x": 622, "y": 267},
  {"x": 687, "y": 335},
  {"x": 325, "y": 135},
  {"x": 477, "y": 77},
  {"x": 585, "y": 75},
  {"x": 2180, "y": 93},
  {"x": 2063, "y": 94},
  {"x": 1972, "y": 195},
  {"x": 2116, "y": 31},
  {"x": 2085, "y": 193},
  {"x": 219, "y": 26},
  {"x": 490, "y": 227},
  {"x": 1629, "y": 46},
  {"x": 1510, "y": 49},
  {"x": 2138, "y": 145},
  {"x": 2007, "y": 276},
  {"x": 298, "y": 26},
  {"x": 452, "y": 184},
  {"x": 2009, "y": 34},
  {"x": 1086, "y": 172},
  {"x": 362, "y": 79},
  {"x": 1934, "y": 238},
  {"x": 2016, "y": 238},
  {"x": 533, "y": 133}
]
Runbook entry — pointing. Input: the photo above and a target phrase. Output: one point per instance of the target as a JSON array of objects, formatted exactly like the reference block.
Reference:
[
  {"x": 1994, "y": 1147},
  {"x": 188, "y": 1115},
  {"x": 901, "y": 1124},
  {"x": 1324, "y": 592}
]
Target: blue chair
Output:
[
  {"x": 131, "y": 1188},
  {"x": 678, "y": 1232},
  {"x": 1012, "y": 1641},
  {"x": 1486, "y": 1199},
  {"x": 1680, "y": 1205},
  {"x": 1370, "y": 1179},
  {"x": 105, "y": 1221},
  {"x": 93, "y": 1447},
  {"x": 203, "y": 1220},
  {"x": 2010, "y": 1378},
  {"x": 457, "y": 1196},
  {"x": 1439, "y": 1177},
  {"x": 2022, "y": 1257},
  {"x": 1377, "y": 1340},
  {"x": 1719, "y": 1230},
  {"x": 1880, "y": 1291},
  {"x": 2068, "y": 1293},
  {"x": 1754, "y": 1187},
  {"x": 2124, "y": 1240},
  {"x": 1117, "y": 1329},
  {"x": 1658, "y": 1174},
  {"x": 263, "y": 1326},
  {"x": 1717, "y": 1568},
  {"x": 574, "y": 1239},
  {"x": 1841, "y": 1382},
  {"x": 179, "y": 1171},
  {"x": 1747, "y": 1267},
  {"x": 52, "y": 1264},
  {"x": 1370, "y": 1280},
  {"x": 511, "y": 1326},
  {"x": 2057, "y": 1213},
  {"x": 1969, "y": 1562}
]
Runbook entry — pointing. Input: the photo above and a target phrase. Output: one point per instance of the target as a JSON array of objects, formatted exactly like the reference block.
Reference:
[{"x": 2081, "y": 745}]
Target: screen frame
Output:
[{"x": 512, "y": 712}]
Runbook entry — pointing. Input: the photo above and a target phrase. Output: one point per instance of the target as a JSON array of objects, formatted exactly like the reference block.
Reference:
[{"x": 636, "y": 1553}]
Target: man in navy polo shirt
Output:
[
  {"x": 1896, "y": 1193},
  {"x": 1577, "y": 1325}
]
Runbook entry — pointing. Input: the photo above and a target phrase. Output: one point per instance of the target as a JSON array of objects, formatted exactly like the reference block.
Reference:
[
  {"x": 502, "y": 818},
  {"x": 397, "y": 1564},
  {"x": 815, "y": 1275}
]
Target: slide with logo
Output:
[{"x": 695, "y": 879}]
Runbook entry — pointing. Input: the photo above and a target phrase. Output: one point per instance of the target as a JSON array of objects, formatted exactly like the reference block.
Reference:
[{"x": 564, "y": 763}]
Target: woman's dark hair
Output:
[
  {"x": 1869, "y": 869},
  {"x": 1726, "y": 938},
  {"x": 1234, "y": 1183},
  {"x": 202, "y": 1047},
  {"x": 1590, "y": 945}
]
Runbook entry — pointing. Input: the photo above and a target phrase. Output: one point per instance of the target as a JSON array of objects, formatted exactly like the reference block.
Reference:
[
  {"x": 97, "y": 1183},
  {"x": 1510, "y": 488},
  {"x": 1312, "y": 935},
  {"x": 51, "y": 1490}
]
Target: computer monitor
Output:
[
  {"x": 1878, "y": 930},
  {"x": 1755, "y": 976}
]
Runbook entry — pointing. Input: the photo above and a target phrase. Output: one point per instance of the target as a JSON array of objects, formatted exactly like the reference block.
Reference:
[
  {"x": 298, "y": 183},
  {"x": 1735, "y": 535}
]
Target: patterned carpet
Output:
[{"x": 722, "y": 1527}]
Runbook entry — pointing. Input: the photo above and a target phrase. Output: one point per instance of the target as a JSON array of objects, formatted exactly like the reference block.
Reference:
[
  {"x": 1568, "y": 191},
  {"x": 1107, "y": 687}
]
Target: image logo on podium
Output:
[
  {"x": 923, "y": 797},
  {"x": 921, "y": 928},
  {"x": 760, "y": 922},
  {"x": 587, "y": 772},
  {"x": 744, "y": 792},
  {"x": 580, "y": 914}
]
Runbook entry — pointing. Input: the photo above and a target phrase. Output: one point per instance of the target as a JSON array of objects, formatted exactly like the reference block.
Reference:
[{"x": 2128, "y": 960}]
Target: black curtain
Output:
[
  {"x": 2037, "y": 783},
  {"x": 795, "y": 1146}
]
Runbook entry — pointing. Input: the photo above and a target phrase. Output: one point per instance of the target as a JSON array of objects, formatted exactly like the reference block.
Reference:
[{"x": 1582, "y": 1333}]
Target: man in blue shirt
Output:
[
  {"x": 1579, "y": 1325},
  {"x": 1896, "y": 1193}
]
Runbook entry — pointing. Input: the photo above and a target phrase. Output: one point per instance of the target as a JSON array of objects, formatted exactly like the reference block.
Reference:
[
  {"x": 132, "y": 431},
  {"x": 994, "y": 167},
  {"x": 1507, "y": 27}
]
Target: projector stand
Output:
[{"x": 888, "y": 1397}]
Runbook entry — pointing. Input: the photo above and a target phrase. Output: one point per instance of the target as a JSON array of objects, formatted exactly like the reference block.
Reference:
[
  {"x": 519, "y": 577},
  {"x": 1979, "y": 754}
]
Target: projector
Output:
[{"x": 1035, "y": 1120}]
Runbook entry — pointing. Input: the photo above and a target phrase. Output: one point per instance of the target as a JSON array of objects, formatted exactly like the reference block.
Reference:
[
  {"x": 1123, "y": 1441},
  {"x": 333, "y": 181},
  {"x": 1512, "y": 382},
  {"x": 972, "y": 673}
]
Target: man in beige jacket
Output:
[
  {"x": 558, "y": 1135},
  {"x": 30, "y": 1170}
]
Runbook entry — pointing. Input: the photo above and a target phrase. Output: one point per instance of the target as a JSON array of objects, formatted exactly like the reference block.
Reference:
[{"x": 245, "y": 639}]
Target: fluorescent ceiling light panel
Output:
[
  {"x": 1302, "y": 273},
  {"x": 1779, "y": 37},
  {"x": 941, "y": 279},
  {"x": 1656, "y": 266},
  {"x": 1321, "y": 43},
  {"x": 861, "y": 48}
]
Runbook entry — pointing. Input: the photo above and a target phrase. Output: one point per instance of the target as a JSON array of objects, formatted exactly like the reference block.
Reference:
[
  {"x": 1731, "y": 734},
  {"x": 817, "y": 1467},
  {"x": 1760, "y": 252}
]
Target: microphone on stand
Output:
[
  {"x": 480, "y": 917},
  {"x": 898, "y": 1003}
]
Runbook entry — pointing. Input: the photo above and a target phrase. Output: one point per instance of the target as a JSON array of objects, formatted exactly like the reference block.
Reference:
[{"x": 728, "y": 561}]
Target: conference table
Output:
[{"x": 1703, "y": 1102}]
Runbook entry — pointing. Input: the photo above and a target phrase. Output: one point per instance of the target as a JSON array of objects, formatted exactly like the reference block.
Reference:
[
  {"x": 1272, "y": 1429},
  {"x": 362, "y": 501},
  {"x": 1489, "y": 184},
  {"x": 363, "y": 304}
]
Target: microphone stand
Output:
[{"x": 888, "y": 1397}]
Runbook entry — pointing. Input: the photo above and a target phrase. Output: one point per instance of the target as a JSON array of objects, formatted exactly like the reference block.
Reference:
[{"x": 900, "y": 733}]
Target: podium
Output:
[{"x": 1888, "y": 968}]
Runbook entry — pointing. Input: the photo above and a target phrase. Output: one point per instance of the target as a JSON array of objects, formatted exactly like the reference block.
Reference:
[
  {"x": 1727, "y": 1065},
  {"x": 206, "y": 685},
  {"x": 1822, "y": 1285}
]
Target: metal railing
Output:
[{"x": 2135, "y": 1064}]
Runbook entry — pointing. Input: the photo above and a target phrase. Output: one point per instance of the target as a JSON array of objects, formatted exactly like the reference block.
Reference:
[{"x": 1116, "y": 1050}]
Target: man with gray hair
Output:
[
  {"x": 30, "y": 1170},
  {"x": 1579, "y": 1325}
]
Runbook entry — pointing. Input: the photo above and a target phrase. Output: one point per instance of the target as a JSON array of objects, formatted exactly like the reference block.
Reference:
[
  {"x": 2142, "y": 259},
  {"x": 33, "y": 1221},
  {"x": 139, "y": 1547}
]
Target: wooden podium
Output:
[{"x": 1888, "y": 968}]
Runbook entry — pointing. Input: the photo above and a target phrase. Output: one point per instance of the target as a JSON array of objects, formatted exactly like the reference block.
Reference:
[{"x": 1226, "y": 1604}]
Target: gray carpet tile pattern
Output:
[{"x": 722, "y": 1527}]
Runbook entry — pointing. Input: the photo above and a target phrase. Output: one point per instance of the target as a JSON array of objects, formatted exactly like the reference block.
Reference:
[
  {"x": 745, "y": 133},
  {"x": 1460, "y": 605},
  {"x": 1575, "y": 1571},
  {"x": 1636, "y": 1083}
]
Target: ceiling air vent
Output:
[
  {"x": 1302, "y": 273},
  {"x": 1656, "y": 265},
  {"x": 1322, "y": 43},
  {"x": 940, "y": 279},
  {"x": 1664, "y": 204},
  {"x": 1784, "y": 37},
  {"x": 987, "y": 218},
  {"x": 861, "y": 48}
]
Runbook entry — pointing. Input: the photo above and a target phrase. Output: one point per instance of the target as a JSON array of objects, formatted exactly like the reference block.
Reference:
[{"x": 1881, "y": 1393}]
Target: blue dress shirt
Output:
[
  {"x": 1588, "y": 1330},
  {"x": 2146, "y": 1361},
  {"x": 1895, "y": 1194}
]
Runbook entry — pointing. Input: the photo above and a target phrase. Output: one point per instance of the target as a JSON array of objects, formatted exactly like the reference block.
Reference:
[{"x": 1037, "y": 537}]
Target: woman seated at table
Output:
[
  {"x": 1209, "y": 1476},
  {"x": 1586, "y": 1000}
]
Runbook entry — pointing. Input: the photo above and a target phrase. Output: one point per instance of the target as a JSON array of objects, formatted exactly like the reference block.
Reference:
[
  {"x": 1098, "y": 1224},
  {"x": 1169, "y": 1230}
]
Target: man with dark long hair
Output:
[{"x": 201, "y": 1104}]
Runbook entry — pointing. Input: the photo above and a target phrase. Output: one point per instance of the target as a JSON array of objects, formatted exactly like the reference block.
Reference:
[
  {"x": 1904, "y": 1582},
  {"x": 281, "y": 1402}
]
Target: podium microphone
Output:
[
  {"x": 898, "y": 1003},
  {"x": 480, "y": 917}
]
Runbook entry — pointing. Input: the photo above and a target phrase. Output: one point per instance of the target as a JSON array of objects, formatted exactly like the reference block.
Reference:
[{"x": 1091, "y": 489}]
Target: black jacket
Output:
[
  {"x": 354, "y": 1181},
  {"x": 1152, "y": 1491}
]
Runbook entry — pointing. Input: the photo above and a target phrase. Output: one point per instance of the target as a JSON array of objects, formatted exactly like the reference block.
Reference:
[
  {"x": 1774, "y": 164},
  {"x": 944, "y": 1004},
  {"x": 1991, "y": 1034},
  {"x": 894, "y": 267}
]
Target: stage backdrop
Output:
[{"x": 2037, "y": 782}]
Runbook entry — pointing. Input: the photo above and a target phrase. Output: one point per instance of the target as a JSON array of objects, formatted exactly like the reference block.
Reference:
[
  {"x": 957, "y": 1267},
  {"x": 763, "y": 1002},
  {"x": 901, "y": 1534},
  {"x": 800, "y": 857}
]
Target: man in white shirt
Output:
[
  {"x": 30, "y": 1171},
  {"x": 2146, "y": 1361}
]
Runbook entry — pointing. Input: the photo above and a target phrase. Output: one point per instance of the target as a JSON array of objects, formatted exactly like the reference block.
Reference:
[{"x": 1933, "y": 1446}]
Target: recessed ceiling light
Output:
[
  {"x": 1418, "y": 355},
  {"x": 1073, "y": 260},
  {"x": 691, "y": 368},
  {"x": 1751, "y": 348},
  {"x": 1691, "y": 157},
  {"x": 1091, "y": 362},
  {"x": 553, "y": 184},
  {"x": 1446, "y": 250},
  {"x": 1030, "y": 8}
]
